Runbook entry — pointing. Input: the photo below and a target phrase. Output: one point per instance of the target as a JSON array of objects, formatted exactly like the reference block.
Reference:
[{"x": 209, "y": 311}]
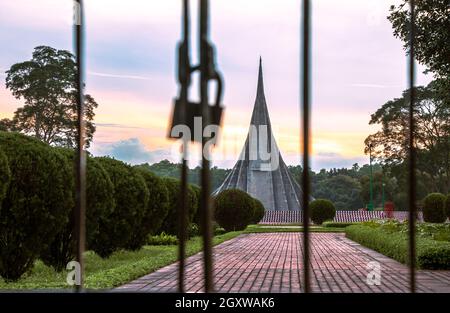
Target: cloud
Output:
[
  {"x": 131, "y": 151},
  {"x": 121, "y": 76}
]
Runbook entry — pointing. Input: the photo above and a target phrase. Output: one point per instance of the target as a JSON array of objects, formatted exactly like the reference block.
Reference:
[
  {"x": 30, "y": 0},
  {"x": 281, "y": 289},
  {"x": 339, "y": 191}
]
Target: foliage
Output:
[
  {"x": 170, "y": 223},
  {"x": 342, "y": 190},
  {"x": 120, "y": 268},
  {"x": 432, "y": 21},
  {"x": 5, "y": 175},
  {"x": 162, "y": 239},
  {"x": 447, "y": 206},
  {"x": 99, "y": 204},
  {"x": 131, "y": 197},
  {"x": 165, "y": 168},
  {"x": 197, "y": 190},
  {"x": 432, "y": 134},
  {"x": 259, "y": 211},
  {"x": 37, "y": 202},
  {"x": 155, "y": 212},
  {"x": 234, "y": 209},
  {"x": 47, "y": 83},
  {"x": 322, "y": 210},
  {"x": 434, "y": 208},
  {"x": 193, "y": 230},
  {"x": 431, "y": 254},
  {"x": 337, "y": 224}
]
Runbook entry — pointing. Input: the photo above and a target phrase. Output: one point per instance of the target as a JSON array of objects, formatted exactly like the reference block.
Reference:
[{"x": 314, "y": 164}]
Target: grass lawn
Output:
[{"x": 120, "y": 268}]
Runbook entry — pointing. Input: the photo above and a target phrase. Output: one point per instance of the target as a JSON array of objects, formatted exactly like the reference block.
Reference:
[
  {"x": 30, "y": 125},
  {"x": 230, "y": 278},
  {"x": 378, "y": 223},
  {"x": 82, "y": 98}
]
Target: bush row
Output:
[
  {"x": 235, "y": 209},
  {"x": 431, "y": 254},
  {"x": 124, "y": 205},
  {"x": 436, "y": 208}
]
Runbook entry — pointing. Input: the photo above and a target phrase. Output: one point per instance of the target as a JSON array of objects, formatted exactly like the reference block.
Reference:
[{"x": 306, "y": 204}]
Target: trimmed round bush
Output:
[
  {"x": 36, "y": 204},
  {"x": 155, "y": 212},
  {"x": 99, "y": 205},
  {"x": 259, "y": 211},
  {"x": 322, "y": 210},
  {"x": 5, "y": 175},
  {"x": 131, "y": 197},
  {"x": 170, "y": 223},
  {"x": 447, "y": 206},
  {"x": 433, "y": 208},
  {"x": 234, "y": 209}
]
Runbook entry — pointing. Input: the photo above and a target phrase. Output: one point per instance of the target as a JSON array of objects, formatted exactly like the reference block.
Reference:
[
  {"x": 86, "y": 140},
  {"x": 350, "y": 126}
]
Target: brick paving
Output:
[{"x": 272, "y": 262}]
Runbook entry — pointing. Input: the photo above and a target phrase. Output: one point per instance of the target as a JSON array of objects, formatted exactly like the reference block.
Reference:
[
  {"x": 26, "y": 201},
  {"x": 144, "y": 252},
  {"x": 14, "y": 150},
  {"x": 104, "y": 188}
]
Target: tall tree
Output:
[
  {"x": 432, "y": 38},
  {"x": 432, "y": 133},
  {"x": 47, "y": 84}
]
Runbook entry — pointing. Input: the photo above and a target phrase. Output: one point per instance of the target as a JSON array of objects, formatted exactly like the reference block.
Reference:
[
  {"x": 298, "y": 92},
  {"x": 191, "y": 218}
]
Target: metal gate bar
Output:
[
  {"x": 305, "y": 96},
  {"x": 205, "y": 192},
  {"x": 184, "y": 80},
  {"x": 412, "y": 155},
  {"x": 80, "y": 207}
]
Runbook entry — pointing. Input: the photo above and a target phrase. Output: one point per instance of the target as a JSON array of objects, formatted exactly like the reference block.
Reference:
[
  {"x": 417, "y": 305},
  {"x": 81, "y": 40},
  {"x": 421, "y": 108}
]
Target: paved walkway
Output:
[{"x": 272, "y": 262}]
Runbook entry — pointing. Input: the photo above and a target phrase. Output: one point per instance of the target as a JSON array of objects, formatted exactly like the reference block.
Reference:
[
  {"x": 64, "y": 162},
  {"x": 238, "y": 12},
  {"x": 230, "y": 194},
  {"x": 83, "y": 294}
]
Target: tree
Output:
[
  {"x": 432, "y": 37},
  {"x": 47, "y": 83},
  {"x": 432, "y": 133},
  {"x": 344, "y": 191}
]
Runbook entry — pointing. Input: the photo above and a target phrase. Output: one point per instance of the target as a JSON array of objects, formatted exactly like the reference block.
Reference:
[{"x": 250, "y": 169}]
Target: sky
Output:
[{"x": 357, "y": 66}]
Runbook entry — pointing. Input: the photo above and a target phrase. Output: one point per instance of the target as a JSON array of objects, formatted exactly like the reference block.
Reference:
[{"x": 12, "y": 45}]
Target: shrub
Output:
[
  {"x": 162, "y": 239},
  {"x": 447, "y": 206},
  {"x": 338, "y": 224},
  {"x": 234, "y": 209},
  {"x": 431, "y": 254},
  {"x": 322, "y": 210},
  {"x": 99, "y": 204},
  {"x": 259, "y": 211},
  {"x": 131, "y": 197},
  {"x": 170, "y": 223},
  {"x": 36, "y": 204},
  {"x": 155, "y": 212},
  {"x": 5, "y": 175},
  {"x": 433, "y": 208},
  {"x": 193, "y": 230},
  {"x": 197, "y": 190}
]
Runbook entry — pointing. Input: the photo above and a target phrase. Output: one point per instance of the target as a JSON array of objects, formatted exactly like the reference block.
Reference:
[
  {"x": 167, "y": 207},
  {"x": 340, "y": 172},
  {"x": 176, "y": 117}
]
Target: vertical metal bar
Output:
[
  {"x": 412, "y": 155},
  {"x": 205, "y": 193},
  {"x": 306, "y": 61},
  {"x": 80, "y": 208},
  {"x": 184, "y": 99},
  {"x": 182, "y": 222}
]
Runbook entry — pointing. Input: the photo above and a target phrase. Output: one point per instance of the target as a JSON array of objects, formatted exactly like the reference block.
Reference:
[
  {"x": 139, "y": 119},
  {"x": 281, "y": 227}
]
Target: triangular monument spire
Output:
[{"x": 268, "y": 180}]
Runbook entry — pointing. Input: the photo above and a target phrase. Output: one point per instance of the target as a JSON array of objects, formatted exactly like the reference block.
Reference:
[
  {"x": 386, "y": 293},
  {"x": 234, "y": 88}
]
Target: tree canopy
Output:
[
  {"x": 47, "y": 84},
  {"x": 432, "y": 36}
]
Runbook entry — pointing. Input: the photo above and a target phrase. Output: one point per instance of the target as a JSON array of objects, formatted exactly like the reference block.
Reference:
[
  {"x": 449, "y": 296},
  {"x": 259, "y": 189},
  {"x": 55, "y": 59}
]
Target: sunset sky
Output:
[{"x": 130, "y": 61}]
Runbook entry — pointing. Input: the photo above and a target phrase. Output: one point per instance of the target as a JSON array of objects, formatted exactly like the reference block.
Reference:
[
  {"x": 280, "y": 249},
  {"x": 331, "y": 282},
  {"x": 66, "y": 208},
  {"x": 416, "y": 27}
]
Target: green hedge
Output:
[
  {"x": 434, "y": 208},
  {"x": 99, "y": 204},
  {"x": 36, "y": 204},
  {"x": 5, "y": 175},
  {"x": 338, "y": 224},
  {"x": 431, "y": 254},
  {"x": 258, "y": 212},
  {"x": 234, "y": 209},
  {"x": 170, "y": 223},
  {"x": 322, "y": 210},
  {"x": 131, "y": 197},
  {"x": 155, "y": 212},
  {"x": 447, "y": 206}
]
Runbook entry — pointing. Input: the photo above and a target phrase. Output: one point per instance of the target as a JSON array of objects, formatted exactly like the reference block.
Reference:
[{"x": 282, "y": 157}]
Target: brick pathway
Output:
[{"x": 272, "y": 262}]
